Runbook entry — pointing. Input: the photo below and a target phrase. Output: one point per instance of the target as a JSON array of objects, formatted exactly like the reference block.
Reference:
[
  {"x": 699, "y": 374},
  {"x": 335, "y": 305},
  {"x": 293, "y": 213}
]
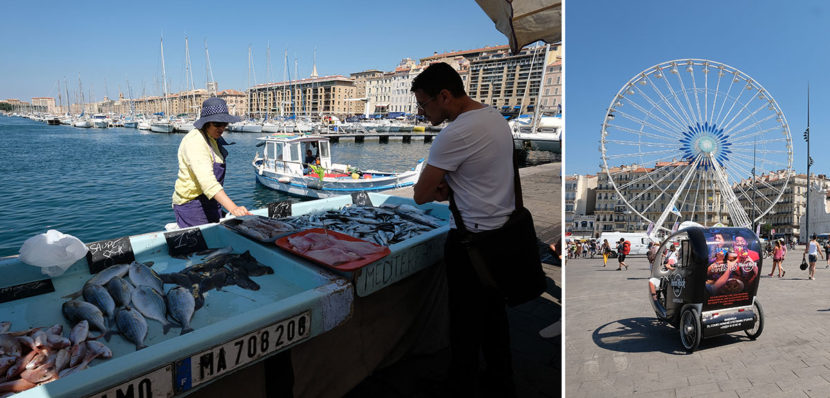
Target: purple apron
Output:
[{"x": 202, "y": 210}]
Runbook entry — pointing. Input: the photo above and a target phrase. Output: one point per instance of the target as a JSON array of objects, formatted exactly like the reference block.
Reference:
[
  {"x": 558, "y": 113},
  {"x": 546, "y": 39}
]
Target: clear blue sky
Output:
[
  {"x": 112, "y": 42},
  {"x": 782, "y": 45}
]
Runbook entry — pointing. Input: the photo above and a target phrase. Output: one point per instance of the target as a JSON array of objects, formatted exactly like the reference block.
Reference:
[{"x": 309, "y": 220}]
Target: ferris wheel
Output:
[{"x": 696, "y": 140}]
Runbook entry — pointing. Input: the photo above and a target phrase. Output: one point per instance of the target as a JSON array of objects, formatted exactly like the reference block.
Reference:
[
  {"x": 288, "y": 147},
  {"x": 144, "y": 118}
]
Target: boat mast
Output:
[
  {"x": 210, "y": 84},
  {"x": 68, "y": 101},
  {"x": 164, "y": 80},
  {"x": 191, "y": 85},
  {"x": 537, "y": 114}
]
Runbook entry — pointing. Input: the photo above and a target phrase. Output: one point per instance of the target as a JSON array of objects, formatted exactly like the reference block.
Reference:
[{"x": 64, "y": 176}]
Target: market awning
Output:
[{"x": 525, "y": 21}]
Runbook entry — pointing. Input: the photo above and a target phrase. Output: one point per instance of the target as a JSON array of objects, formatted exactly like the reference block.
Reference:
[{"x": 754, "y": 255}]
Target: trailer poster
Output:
[{"x": 733, "y": 267}]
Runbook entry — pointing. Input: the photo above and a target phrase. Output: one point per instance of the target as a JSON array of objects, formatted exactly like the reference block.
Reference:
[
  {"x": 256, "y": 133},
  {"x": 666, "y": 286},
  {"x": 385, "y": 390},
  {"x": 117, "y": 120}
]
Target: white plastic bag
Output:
[{"x": 53, "y": 251}]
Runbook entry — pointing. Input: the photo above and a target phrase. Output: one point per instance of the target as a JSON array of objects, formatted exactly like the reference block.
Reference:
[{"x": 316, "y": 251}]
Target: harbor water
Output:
[{"x": 98, "y": 184}]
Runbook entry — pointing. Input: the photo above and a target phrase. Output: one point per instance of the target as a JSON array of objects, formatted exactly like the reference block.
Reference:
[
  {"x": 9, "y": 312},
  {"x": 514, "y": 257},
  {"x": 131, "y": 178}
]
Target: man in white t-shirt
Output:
[{"x": 473, "y": 157}]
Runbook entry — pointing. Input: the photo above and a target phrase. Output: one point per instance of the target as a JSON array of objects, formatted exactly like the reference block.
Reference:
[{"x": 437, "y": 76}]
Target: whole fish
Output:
[
  {"x": 98, "y": 296},
  {"x": 62, "y": 359},
  {"x": 6, "y": 363},
  {"x": 150, "y": 303},
  {"x": 77, "y": 354},
  {"x": 181, "y": 305},
  {"x": 141, "y": 274},
  {"x": 218, "y": 252},
  {"x": 10, "y": 346},
  {"x": 104, "y": 276},
  {"x": 132, "y": 325},
  {"x": 98, "y": 349},
  {"x": 76, "y": 311},
  {"x": 79, "y": 332},
  {"x": 120, "y": 290}
]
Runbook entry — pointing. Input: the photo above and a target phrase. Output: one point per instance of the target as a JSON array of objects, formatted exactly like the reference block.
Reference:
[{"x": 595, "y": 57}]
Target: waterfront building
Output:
[
  {"x": 551, "y": 101},
  {"x": 47, "y": 103},
  {"x": 580, "y": 203},
  {"x": 237, "y": 101},
  {"x": 645, "y": 195},
  {"x": 390, "y": 92},
  {"x": 360, "y": 103},
  {"x": 314, "y": 97},
  {"x": 508, "y": 82},
  {"x": 819, "y": 211},
  {"x": 785, "y": 216}
]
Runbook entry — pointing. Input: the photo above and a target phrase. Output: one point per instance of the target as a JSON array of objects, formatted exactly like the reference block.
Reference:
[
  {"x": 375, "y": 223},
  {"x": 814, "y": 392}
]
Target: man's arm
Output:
[{"x": 431, "y": 185}]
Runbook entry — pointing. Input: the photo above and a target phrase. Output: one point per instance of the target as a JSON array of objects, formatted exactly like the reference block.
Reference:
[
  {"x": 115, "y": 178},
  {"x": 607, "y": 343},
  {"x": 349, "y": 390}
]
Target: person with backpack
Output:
[{"x": 623, "y": 248}]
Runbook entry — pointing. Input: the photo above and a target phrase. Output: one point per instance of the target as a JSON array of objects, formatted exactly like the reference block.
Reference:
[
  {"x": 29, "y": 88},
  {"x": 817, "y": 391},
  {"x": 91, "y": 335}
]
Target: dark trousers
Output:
[{"x": 478, "y": 323}]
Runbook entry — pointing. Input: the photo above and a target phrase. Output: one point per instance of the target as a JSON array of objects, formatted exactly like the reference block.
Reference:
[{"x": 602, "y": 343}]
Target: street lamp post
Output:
[{"x": 809, "y": 163}]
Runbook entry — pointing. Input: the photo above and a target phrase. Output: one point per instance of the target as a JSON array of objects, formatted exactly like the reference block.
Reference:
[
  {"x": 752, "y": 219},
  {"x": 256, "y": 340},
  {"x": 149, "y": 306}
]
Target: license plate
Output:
[
  {"x": 158, "y": 383},
  {"x": 225, "y": 358}
]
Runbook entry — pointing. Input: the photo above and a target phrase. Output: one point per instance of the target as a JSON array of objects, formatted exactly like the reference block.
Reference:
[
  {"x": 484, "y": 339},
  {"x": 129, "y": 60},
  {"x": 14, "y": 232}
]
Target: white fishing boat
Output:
[
  {"x": 542, "y": 134},
  {"x": 161, "y": 126},
  {"x": 280, "y": 167},
  {"x": 100, "y": 121},
  {"x": 82, "y": 123},
  {"x": 183, "y": 125},
  {"x": 144, "y": 124},
  {"x": 246, "y": 126}
]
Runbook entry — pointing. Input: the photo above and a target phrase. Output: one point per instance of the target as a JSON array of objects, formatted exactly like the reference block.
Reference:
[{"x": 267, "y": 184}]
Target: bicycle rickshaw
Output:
[{"x": 704, "y": 281}]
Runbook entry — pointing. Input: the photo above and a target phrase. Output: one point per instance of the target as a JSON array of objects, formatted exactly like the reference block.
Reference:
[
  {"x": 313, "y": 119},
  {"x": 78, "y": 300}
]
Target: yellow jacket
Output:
[{"x": 196, "y": 168}]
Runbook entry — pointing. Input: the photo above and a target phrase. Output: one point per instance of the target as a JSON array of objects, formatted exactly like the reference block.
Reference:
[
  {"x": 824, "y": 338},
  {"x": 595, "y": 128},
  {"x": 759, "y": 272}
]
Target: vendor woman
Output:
[{"x": 198, "y": 190}]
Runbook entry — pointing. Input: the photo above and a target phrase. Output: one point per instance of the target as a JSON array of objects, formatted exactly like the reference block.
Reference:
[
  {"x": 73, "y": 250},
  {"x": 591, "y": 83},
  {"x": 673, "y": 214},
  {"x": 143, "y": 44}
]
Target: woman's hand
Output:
[{"x": 240, "y": 211}]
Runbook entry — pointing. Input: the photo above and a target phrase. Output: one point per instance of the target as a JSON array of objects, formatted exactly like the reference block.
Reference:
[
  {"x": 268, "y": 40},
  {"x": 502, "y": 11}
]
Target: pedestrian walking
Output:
[
  {"x": 778, "y": 253},
  {"x": 812, "y": 251},
  {"x": 623, "y": 249},
  {"x": 827, "y": 253},
  {"x": 606, "y": 251}
]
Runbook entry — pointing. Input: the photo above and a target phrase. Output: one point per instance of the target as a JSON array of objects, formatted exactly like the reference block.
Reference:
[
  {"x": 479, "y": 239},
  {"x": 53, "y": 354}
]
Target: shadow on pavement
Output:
[
  {"x": 638, "y": 335},
  {"x": 651, "y": 335}
]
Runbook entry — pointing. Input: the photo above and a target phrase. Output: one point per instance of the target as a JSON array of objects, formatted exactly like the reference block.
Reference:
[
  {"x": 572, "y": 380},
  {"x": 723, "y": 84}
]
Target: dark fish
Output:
[
  {"x": 150, "y": 303},
  {"x": 121, "y": 291},
  {"x": 76, "y": 311},
  {"x": 181, "y": 305},
  {"x": 176, "y": 278},
  {"x": 251, "y": 266},
  {"x": 132, "y": 325},
  {"x": 242, "y": 280},
  {"x": 98, "y": 296},
  {"x": 141, "y": 274}
]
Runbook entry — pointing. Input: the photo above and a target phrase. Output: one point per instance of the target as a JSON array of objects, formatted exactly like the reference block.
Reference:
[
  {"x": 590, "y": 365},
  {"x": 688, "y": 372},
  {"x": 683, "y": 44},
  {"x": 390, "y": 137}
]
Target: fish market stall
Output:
[
  {"x": 254, "y": 302},
  {"x": 409, "y": 251},
  {"x": 400, "y": 308}
]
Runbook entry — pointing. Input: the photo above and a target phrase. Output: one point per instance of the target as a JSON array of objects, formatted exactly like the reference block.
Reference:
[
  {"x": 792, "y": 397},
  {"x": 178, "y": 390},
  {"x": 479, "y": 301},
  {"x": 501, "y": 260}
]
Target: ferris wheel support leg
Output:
[
  {"x": 737, "y": 214},
  {"x": 670, "y": 205}
]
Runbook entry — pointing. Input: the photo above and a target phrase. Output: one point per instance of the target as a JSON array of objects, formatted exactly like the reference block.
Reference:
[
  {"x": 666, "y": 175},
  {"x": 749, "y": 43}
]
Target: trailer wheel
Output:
[
  {"x": 759, "y": 321},
  {"x": 690, "y": 330}
]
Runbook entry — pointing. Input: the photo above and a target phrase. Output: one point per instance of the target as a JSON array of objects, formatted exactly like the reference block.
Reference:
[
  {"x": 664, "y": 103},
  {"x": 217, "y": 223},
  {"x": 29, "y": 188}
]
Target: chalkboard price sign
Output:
[
  {"x": 279, "y": 209},
  {"x": 185, "y": 242},
  {"x": 105, "y": 253},
  {"x": 24, "y": 290},
  {"x": 361, "y": 199}
]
